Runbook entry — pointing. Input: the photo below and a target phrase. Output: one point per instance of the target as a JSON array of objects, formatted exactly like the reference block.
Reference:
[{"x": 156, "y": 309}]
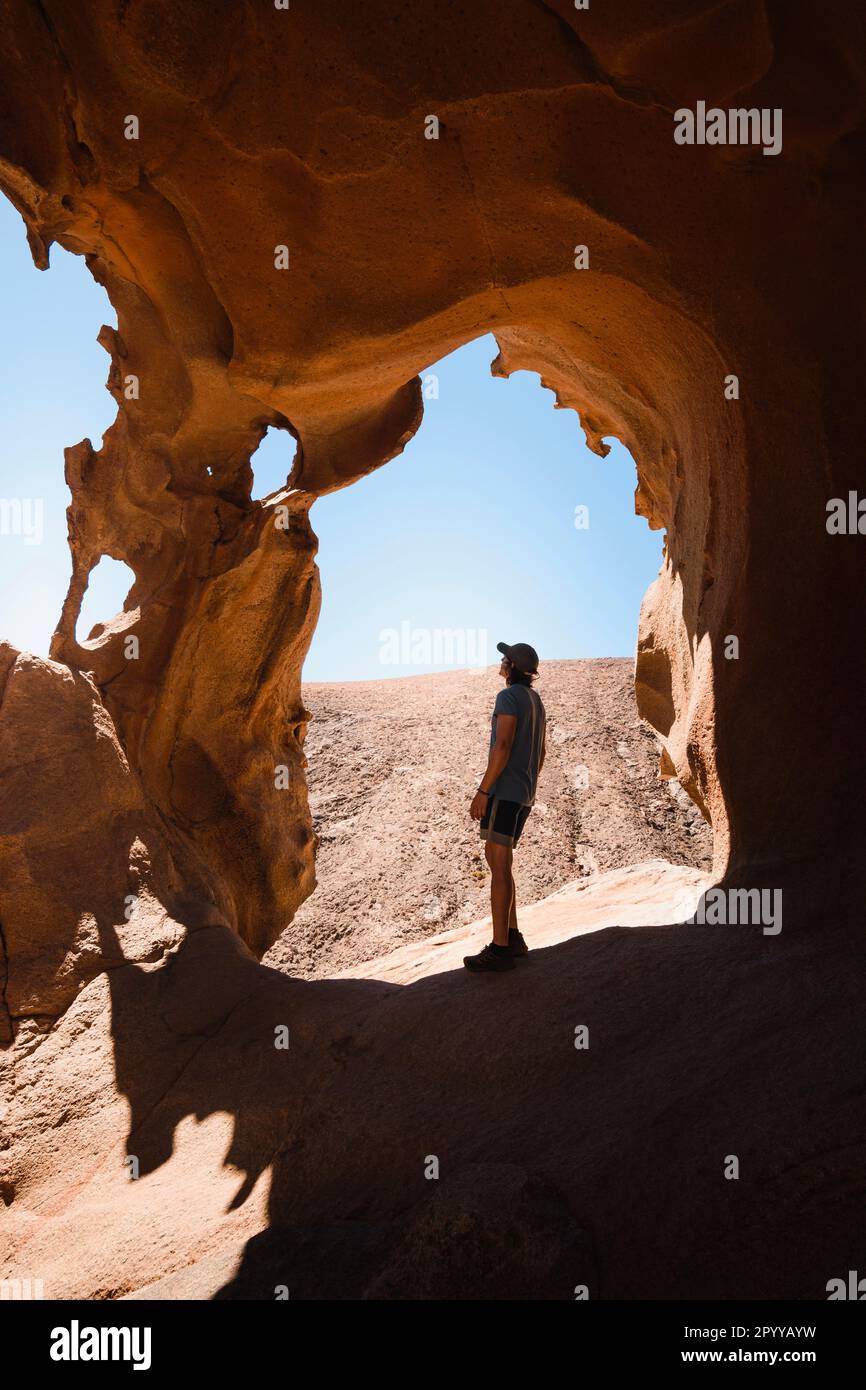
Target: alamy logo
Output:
[
  {"x": 23, "y": 516},
  {"x": 853, "y": 1288},
  {"x": 411, "y": 646},
  {"x": 21, "y": 1289},
  {"x": 76, "y": 1343},
  {"x": 739, "y": 126},
  {"x": 739, "y": 907},
  {"x": 846, "y": 518}
]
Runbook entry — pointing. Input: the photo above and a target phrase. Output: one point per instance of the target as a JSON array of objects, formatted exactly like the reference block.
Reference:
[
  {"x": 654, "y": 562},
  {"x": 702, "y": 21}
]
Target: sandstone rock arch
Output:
[
  {"x": 555, "y": 130},
  {"x": 305, "y": 128}
]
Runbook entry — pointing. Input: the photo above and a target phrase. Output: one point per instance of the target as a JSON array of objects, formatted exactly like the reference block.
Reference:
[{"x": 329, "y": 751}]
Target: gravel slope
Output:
[{"x": 392, "y": 766}]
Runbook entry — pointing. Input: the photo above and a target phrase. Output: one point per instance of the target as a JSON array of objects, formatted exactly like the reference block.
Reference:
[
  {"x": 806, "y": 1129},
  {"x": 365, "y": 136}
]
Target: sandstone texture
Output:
[
  {"x": 306, "y": 1167},
  {"x": 555, "y": 130},
  {"x": 285, "y": 247},
  {"x": 391, "y": 768}
]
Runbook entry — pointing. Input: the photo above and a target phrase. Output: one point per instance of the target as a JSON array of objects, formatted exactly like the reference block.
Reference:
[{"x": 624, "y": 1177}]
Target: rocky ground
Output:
[
  {"x": 392, "y": 766},
  {"x": 305, "y": 1167}
]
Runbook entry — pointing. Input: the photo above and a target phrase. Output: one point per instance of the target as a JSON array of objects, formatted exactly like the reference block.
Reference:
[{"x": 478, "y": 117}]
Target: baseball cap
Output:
[{"x": 521, "y": 655}]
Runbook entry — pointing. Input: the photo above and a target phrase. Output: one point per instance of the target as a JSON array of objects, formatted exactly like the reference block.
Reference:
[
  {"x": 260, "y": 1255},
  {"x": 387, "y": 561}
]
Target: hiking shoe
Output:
[
  {"x": 516, "y": 944},
  {"x": 490, "y": 959}
]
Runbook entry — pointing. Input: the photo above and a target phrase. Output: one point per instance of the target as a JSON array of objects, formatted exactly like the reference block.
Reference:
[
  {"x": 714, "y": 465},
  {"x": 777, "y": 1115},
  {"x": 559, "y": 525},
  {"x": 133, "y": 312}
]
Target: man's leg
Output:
[
  {"x": 516, "y": 942},
  {"x": 501, "y": 889},
  {"x": 512, "y": 911}
]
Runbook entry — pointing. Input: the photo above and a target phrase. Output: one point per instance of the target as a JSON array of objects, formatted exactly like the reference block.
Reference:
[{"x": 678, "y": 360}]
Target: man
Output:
[{"x": 506, "y": 794}]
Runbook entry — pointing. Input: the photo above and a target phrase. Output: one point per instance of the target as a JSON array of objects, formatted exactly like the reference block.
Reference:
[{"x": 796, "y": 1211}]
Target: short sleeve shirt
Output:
[{"x": 518, "y": 779}]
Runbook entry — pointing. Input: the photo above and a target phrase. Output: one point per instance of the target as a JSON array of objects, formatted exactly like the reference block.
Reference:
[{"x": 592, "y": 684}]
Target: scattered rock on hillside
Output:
[{"x": 392, "y": 765}]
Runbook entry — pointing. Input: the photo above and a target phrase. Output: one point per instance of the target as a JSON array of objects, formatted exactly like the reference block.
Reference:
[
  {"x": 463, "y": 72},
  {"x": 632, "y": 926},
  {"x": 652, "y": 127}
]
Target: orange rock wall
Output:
[{"x": 261, "y": 128}]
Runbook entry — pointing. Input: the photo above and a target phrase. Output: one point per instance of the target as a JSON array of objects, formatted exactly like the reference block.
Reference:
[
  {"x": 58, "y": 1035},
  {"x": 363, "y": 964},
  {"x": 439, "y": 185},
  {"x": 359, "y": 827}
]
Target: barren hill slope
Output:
[{"x": 392, "y": 767}]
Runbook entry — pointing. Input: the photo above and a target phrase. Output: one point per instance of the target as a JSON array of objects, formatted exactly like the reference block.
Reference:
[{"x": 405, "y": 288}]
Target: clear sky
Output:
[{"x": 466, "y": 538}]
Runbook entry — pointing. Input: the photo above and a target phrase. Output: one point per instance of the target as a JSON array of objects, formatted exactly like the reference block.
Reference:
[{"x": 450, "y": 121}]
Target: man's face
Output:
[{"x": 505, "y": 668}]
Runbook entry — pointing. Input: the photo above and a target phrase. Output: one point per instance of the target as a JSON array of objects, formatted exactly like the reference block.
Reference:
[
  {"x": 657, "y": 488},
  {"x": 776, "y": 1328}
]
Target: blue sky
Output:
[
  {"x": 52, "y": 393},
  {"x": 466, "y": 538}
]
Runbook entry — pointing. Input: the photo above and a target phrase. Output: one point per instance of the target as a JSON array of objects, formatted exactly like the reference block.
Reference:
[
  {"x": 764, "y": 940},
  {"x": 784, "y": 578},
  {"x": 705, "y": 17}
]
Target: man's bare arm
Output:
[{"x": 506, "y": 728}]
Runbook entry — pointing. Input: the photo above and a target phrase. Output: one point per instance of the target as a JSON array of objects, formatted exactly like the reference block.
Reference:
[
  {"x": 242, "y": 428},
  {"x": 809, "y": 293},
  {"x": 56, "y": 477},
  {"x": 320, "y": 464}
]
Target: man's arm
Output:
[
  {"x": 543, "y": 751},
  {"x": 506, "y": 728}
]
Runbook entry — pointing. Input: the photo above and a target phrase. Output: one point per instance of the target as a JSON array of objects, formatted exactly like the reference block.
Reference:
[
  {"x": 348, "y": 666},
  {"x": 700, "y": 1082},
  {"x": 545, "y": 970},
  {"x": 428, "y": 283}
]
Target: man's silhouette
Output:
[{"x": 505, "y": 796}]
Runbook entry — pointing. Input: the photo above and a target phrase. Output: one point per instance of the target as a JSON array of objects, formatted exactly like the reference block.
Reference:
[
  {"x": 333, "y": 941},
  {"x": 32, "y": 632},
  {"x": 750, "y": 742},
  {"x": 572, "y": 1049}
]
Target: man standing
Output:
[{"x": 505, "y": 796}]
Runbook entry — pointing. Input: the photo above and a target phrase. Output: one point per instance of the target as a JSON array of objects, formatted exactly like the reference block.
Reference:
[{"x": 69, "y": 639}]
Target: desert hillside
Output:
[{"x": 392, "y": 765}]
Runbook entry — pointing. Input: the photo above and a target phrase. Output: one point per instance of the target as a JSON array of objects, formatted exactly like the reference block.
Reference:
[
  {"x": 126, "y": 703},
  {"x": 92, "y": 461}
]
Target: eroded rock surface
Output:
[
  {"x": 306, "y": 1167},
  {"x": 297, "y": 137},
  {"x": 555, "y": 130}
]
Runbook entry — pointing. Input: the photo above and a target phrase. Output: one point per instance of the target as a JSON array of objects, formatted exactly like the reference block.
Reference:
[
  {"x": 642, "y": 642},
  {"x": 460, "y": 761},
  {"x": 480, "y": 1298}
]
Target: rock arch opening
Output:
[
  {"x": 108, "y": 584},
  {"x": 495, "y": 519},
  {"x": 53, "y": 392},
  {"x": 272, "y": 463}
]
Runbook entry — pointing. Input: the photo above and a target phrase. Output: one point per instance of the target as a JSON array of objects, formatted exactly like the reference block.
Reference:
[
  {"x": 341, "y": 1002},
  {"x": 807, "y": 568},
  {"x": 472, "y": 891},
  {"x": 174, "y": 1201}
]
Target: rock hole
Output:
[
  {"x": 109, "y": 583},
  {"x": 53, "y": 395},
  {"x": 497, "y": 519},
  {"x": 272, "y": 462}
]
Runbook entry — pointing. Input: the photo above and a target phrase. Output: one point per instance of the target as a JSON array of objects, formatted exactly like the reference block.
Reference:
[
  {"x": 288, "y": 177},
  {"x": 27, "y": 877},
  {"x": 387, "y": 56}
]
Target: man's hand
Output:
[{"x": 479, "y": 805}]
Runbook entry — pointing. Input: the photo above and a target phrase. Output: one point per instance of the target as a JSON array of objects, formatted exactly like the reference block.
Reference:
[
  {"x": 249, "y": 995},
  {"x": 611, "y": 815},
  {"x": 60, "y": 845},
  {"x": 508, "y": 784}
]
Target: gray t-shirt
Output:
[{"x": 517, "y": 780}]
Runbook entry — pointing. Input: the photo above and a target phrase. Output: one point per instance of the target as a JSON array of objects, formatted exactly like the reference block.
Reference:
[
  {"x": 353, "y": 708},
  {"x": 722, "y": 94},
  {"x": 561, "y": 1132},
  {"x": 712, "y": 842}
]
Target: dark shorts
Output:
[{"x": 503, "y": 821}]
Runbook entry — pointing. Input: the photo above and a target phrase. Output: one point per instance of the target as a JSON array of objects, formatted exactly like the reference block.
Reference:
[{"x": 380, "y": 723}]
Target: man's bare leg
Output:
[
  {"x": 512, "y": 911},
  {"x": 502, "y": 894}
]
